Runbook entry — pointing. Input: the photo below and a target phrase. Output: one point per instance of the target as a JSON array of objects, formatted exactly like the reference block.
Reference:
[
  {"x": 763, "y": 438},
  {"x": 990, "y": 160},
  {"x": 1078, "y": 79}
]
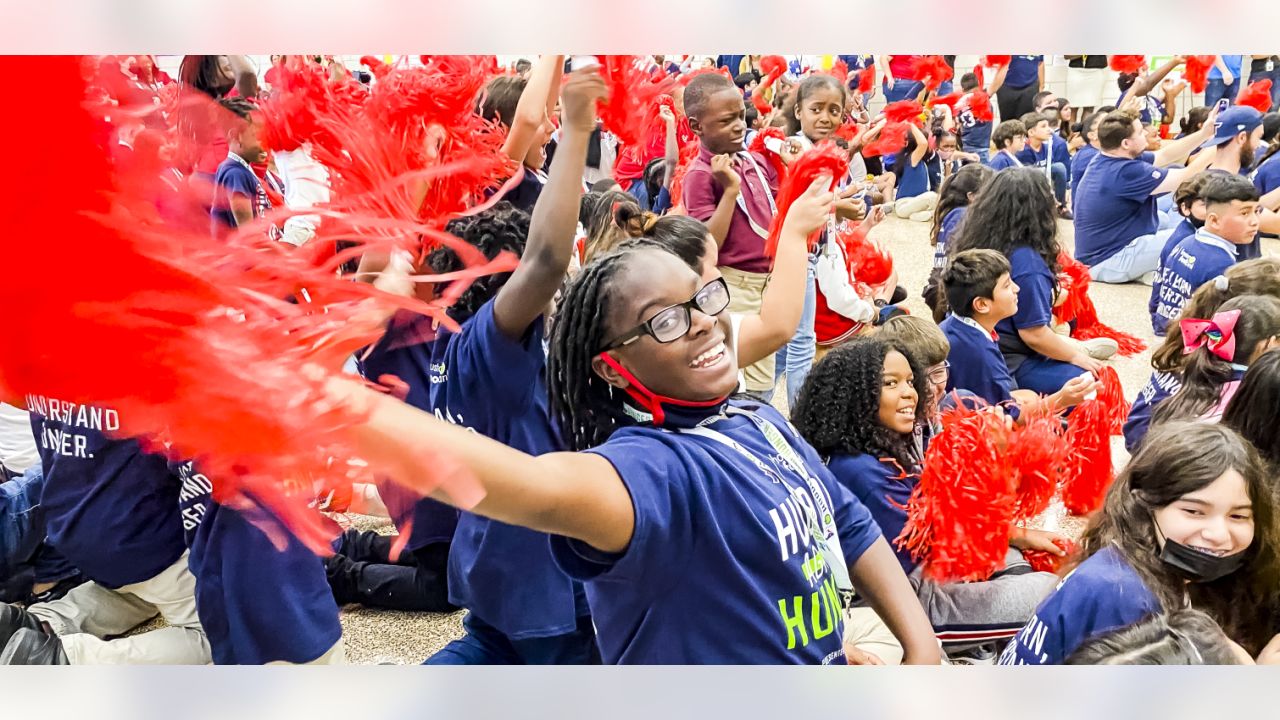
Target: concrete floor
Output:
[{"x": 376, "y": 636}]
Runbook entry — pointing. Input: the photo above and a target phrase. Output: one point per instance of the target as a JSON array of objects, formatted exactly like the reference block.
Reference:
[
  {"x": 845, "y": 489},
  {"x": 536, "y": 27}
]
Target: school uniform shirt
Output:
[
  {"x": 743, "y": 247},
  {"x": 1152, "y": 110},
  {"x": 1193, "y": 262},
  {"x": 721, "y": 568},
  {"x": 1267, "y": 177},
  {"x": 235, "y": 177},
  {"x": 950, "y": 223},
  {"x": 1114, "y": 205},
  {"x": 480, "y": 379},
  {"x": 1160, "y": 387},
  {"x": 1024, "y": 71},
  {"x": 1003, "y": 159},
  {"x": 1035, "y": 305},
  {"x": 1079, "y": 163},
  {"x": 658, "y": 205},
  {"x": 913, "y": 180},
  {"x": 935, "y": 165},
  {"x": 975, "y": 135},
  {"x": 109, "y": 507},
  {"x": 883, "y": 488},
  {"x": 525, "y": 195},
  {"x": 256, "y": 603},
  {"x": 976, "y": 362},
  {"x": 1102, "y": 594},
  {"x": 1181, "y": 231}
]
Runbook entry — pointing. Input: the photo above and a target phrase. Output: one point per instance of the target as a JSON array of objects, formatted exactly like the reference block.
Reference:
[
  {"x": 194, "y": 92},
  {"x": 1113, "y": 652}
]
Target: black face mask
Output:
[
  {"x": 1197, "y": 566},
  {"x": 1196, "y": 222}
]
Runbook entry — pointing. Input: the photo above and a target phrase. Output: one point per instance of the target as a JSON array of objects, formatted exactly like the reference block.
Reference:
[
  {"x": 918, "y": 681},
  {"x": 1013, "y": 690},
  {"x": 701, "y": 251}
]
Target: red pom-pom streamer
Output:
[
  {"x": 375, "y": 65},
  {"x": 1089, "y": 432},
  {"x": 632, "y": 96},
  {"x": 866, "y": 79},
  {"x": 980, "y": 106},
  {"x": 773, "y": 67},
  {"x": 1196, "y": 71},
  {"x": 978, "y": 73},
  {"x": 1042, "y": 561},
  {"x": 688, "y": 154},
  {"x": 948, "y": 100},
  {"x": 903, "y": 111},
  {"x": 1037, "y": 453},
  {"x": 892, "y": 138},
  {"x": 996, "y": 61},
  {"x": 932, "y": 70},
  {"x": 868, "y": 263},
  {"x": 825, "y": 158},
  {"x": 1257, "y": 96},
  {"x": 1128, "y": 64},
  {"x": 840, "y": 71},
  {"x": 757, "y": 145},
  {"x": 1078, "y": 306}
]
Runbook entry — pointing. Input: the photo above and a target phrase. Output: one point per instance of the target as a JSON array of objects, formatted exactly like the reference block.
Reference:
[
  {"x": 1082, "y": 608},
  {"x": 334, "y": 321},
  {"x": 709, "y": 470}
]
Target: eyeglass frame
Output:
[
  {"x": 646, "y": 327},
  {"x": 944, "y": 366}
]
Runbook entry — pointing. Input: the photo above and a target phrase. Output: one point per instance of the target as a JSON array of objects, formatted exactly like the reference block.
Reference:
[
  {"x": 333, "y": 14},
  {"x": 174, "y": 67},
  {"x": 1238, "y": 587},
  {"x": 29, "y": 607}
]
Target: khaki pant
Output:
[
  {"x": 746, "y": 290},
  {"x": 90, "y": 613},
  {"x": 918, "y": 208},
  {"x": 337, "y": 655},
  {"x": 864, "y": 630}
]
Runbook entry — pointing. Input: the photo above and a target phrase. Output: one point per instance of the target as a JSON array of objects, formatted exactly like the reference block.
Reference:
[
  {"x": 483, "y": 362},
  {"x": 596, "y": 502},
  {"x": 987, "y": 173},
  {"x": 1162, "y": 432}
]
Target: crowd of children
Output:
[{"x": 645, "y": 501}]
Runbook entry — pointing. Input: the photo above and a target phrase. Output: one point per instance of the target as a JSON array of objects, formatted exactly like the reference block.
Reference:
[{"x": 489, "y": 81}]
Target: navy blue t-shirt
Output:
[
  {"x": 1193, "y": 262},
  {"x": 1079, "y": 163},
  {"x": 975, "y": 135},
  {"x": 721, "y": 568},
  {"x": 950, "y": 223},
  {"x": 235, "y": 177},
  {"x": 976, "y": 362},
  {"x": 913, "y": 180},
  {"x": 1267, "y": 177},
  {"x": 1049, "y": 153},
  {"x": 109, "y": 507},
  {"x": 482, "y": 380},
  {"x": 1102, "y": 594},
  {"x": 1035, "y": 305},
  {"x": 257, "y": 604},
  {"x": 1001, "y": 160},
  {"x": 1024, "y": 70},
  {"x": 1160, "y": 387},
  {"x": 1114, "y": 206},
  {"x": 657, "y": 205},
  {"x": 1181, "y": 231},
  {"x": 525, "y": 195},
  {"x": 880, "y": 486}
]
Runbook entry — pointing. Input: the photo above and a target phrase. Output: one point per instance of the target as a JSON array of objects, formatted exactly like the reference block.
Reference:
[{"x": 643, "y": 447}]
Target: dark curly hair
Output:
[
  {"x": 1015, "y": 208},
  {"x": 838, "y": 411},
  {"x": 1252, "y": 410},
  {"x": 501, "y": 227}
]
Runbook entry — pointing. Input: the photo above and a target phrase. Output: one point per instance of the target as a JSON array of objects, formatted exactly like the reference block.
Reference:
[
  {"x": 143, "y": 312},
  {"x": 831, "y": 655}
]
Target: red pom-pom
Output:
[
  {"x": 980, "y": 106},
  {"x": 996, "y": 61},
  {"x": 892, "y": 138},
  {"x": 1089, "y": 431},
  {"x": 840, "y": 71},
  {"x": 375, "y": 65},
  {"x": 761, "y": 104},
  {"x": 1128, "y": 64},
  {"x": 1037, "y": 452},
  {"x": 848, "y": 131},
  {"x": 1257, "y": 96},
  {"x": 903, "y": 111},
  {"x": 932, "y": 70},
  {"x": 773, "y": 67},
  {"x": 867, "y": 262},
  {"x": 866, "y": 79},
  {"x": 1197, "y": 71},
  {"x": 1042, "y": 561},
  {"x": 825, "y": 158},
  {"x": 757, "y": 145},
  {"x": 688, "y": 154},
  {"x": 632, "y": 93},
  {"x": 1079, "y": 307},
  {"x": 948, "y": 100},
  {"x": 977, "y": 73}
]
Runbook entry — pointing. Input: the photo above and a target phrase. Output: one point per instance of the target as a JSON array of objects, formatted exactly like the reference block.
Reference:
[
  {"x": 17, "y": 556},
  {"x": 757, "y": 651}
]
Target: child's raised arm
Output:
[
  {"x": 551, "y": 230},
  {"x": 671, "y": 155},
  {"x": 578, "y": 495},
  {"x": 536, "y": 105}
]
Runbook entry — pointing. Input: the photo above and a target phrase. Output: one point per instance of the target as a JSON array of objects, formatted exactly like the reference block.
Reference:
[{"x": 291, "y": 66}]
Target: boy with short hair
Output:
[
  {"x": 1231, "y": 220},
  {"x": 975, "y": 135},
  {"x": 1010, "y": 137},
  {"x": 732, "y": 191},
  {"x": 238, "y": 195},
  {"x": 981, "y": 292},
  {"x": 1040, "y": 151},
  {"x": 1188, "y": 203}
]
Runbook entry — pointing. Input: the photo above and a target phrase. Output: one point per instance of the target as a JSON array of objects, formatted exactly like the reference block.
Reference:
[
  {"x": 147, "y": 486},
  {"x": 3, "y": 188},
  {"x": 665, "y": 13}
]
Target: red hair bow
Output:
[{"x": 1216, "y": 334}]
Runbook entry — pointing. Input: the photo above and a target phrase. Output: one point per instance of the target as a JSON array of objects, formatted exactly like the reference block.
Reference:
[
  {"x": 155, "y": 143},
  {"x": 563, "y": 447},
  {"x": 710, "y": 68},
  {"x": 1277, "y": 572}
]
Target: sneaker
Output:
[
  {"x": 1064, "y": 212},
  {"x": 899, "y": 296},
  {"x": 31, "y": 647},
  {"x": 13, "y": 619},
  {"x": 58, "y": 591},
  {"x": 980, "y": 655},
  {"x": 1148, "y": 278},
  {"x": 1101, "y": 348}
]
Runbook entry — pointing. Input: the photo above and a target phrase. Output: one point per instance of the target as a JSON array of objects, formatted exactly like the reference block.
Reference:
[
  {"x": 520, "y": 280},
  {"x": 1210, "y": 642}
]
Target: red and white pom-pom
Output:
[
  {"x": 1089, "y": 432},
  {"x": 996, "y": 61},
  {"x": 1128, "y": 64},
  {"x": 1037, "y": 451},
  {"x": 759, "y": 146},
  {"x": 1079, "y": 307},
  {"x": 825, "y": 158},
  {"x": 1196, "y": 71},
  {"x": 1257, "y": 96},
  {"x": 960, "y": 514},
  {"x": 932, "y": 70}
]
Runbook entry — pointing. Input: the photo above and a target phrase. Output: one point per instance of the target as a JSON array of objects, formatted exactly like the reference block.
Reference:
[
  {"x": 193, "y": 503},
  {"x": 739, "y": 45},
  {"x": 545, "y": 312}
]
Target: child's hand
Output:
[
  {"x": 1077, "y": 390},
  {"x": 849, "y": 207},
  {"x": 1082, "y": 360},
  {"x": 810, "y": 211},
  {"x": 855, "y": 656},
  {"x": 790, "y": 151},
  {"x": 723, "y": 172},
  {"x": 667, "y": 116},
  {"x": 1029, "y": 539},
  {"x": 579, "y": 97},
  {"x": 873, "y": 218}
]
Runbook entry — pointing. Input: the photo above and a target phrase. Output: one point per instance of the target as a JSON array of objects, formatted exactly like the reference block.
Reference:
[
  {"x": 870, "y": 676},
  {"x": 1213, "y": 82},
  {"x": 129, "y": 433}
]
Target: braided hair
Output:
[
  {"x": 501, "y": 227},
  {"x": 580, "y": 402},
  {"x": 838, "y": 411}
]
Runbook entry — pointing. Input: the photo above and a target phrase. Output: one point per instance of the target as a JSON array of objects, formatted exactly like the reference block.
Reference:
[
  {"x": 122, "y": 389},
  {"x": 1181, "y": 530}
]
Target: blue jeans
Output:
[
  {"x": 901, "y": 90},
  {"x": 1061, "y": 179},
  {"x": 486, "y": 645},
  {"x": 1138, "y": 258},
  {"x": 1044, "y": 375},
  {"x": 796, "y": 357},
  {"x": 22, "y": 531},
  {"x": 1168, "y": 213},
  {"x": 1217, "y": 89}
]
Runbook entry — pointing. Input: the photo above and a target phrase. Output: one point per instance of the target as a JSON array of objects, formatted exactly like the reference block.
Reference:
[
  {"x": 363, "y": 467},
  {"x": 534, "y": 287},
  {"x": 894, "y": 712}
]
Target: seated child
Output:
[
  {"x": 1010, "y": 137},
  {"x": 1231, "y": 220},
  {"x": 1181, "y": 637},
  {"x": 981, "y": 293},
  {"x": 859, "y": 409},
  {"x": 1191, "y": 207},
  {"x": 954, "y": 197}
]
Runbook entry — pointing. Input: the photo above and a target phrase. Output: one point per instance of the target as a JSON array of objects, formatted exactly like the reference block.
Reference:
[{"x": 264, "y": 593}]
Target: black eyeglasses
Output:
[
  {"x": 671, "y": 323},
  {"x": 938, "y": 374}
]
